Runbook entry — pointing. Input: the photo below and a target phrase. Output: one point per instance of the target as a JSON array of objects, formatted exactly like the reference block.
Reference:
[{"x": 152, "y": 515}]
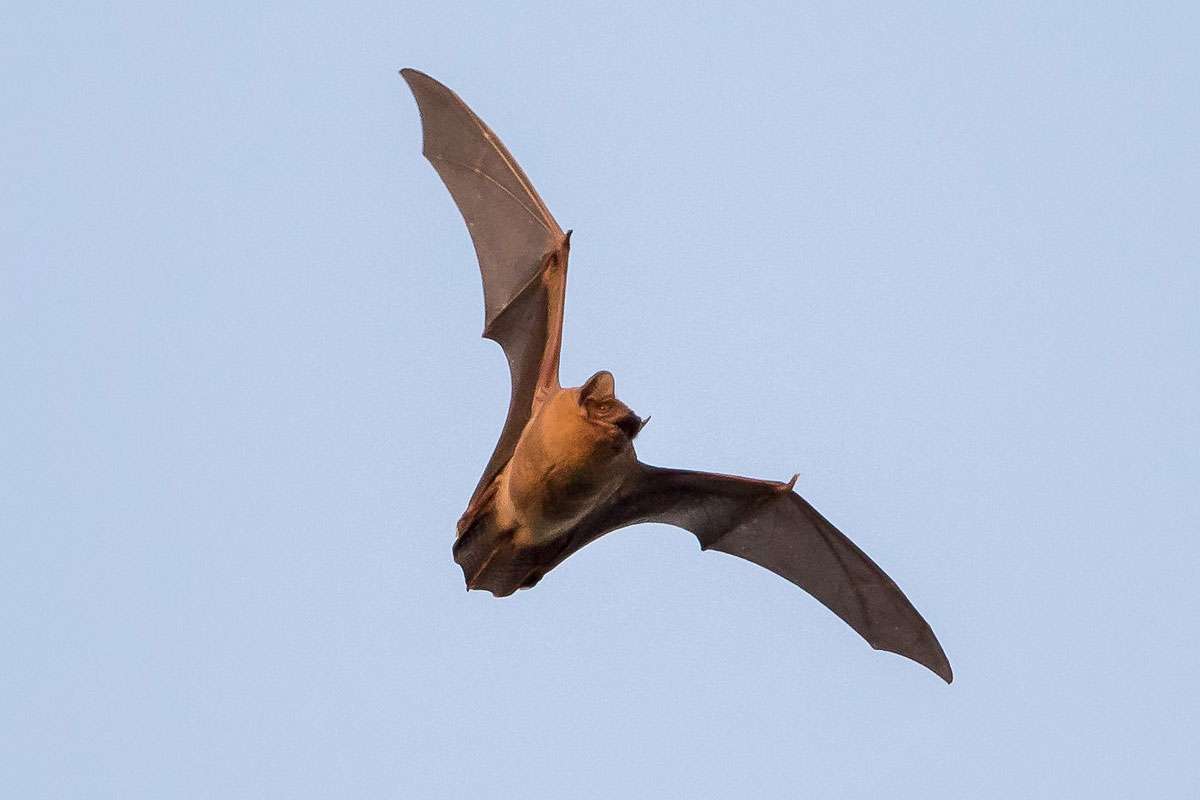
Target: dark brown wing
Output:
[
  {"x": 522, "y": 251},
  {"x": 769, "y": 524}
]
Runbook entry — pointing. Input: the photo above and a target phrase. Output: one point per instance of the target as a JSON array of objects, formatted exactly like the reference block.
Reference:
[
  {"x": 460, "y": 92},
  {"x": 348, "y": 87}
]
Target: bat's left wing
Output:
[
  {"x": 521, "y": 249},
  {"x": 769, "y": 524}
]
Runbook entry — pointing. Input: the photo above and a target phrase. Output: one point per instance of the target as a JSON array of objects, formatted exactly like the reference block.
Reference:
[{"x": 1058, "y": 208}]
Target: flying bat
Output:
[{"x": 564, "y": 471}]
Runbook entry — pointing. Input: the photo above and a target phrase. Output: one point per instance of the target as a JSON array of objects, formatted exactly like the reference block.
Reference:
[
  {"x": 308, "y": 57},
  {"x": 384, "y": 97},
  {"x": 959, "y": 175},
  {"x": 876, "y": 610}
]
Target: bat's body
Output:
[
  {"x": 566, "y": 464},
  {"x": 564, "y": 471}
]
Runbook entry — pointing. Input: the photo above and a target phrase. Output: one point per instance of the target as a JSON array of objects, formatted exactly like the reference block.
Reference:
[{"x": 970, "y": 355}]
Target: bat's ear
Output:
[{"x": 600, "y": 386}]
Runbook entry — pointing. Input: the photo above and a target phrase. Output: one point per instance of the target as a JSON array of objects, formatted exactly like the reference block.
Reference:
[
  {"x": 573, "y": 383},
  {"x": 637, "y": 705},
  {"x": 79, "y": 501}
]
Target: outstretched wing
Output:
[
  {"x": 769, "y": 524},
  {"x": 522, "y": 251}
]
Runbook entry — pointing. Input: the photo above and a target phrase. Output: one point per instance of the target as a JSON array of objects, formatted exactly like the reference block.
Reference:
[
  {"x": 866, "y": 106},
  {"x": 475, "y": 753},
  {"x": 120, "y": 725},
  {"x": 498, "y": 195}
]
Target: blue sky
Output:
[{"x": 940, "y": 260}]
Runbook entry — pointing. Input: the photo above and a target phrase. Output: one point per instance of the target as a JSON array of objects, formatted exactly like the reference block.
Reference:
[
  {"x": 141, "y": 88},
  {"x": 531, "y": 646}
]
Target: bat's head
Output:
[{"x": 599, "y": 403}]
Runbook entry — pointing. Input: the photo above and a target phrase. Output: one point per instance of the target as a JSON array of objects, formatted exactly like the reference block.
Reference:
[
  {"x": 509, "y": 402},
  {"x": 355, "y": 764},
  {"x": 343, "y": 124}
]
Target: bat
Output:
[{"x": 564, "y": 471}]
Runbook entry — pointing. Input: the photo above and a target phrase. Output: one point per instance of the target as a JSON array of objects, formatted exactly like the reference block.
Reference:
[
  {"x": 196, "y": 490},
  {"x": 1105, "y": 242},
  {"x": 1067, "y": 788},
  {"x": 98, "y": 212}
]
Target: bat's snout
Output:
[{"x": 632, "y": 424}]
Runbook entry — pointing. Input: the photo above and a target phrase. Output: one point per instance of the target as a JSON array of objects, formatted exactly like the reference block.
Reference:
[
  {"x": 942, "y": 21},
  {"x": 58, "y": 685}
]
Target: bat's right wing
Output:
[
  {"x": 521, "y": 249},
  {"x": 768, "y": 523}
]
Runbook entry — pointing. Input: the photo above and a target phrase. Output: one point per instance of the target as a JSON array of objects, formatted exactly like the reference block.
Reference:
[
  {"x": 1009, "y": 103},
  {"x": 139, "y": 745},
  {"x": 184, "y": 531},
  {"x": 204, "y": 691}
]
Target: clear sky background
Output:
[{"x": 942, "y": 261}]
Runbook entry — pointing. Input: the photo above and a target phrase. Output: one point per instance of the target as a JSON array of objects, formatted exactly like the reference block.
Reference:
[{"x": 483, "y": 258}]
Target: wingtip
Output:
[
  {"x": 938, "y": 664},
  {"x": 924, "y": 649},
  {"x": 413, "y": 77},
  {"x": 945, "y": 671}
]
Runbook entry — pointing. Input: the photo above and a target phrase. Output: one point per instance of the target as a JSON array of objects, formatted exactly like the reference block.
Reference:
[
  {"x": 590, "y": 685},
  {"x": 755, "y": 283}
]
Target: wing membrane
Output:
[
  {"x": 521, "y": 249},
  {"x": 770, "y": 525}
]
